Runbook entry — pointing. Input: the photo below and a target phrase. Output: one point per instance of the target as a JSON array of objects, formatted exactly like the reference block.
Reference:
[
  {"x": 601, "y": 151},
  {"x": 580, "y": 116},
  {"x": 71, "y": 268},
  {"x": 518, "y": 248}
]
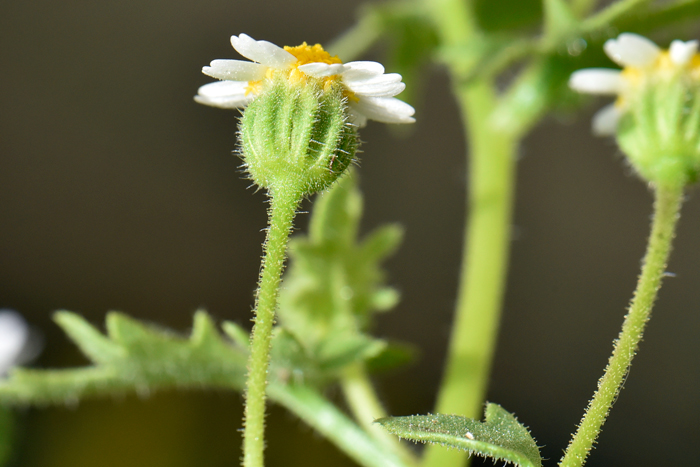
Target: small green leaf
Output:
[
  {"x": 89, "y": 340},
  {"x": 133, "y": 357},
  {"x": 335, "y": 284},
  {"x": 240, "y": 336},
  {"x": 500, "y": 436}
]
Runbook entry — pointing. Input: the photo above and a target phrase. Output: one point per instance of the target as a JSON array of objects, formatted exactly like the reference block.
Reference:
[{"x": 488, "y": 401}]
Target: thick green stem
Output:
[
  {"x": 334, "y": 425},
  {"x": 366, "y": 407},
  {"x": 666, "y": 214},
  {"x": 484, "y": 266},
  {"x": 487, "y": 235},
  {"x": 281, "y": 214}
]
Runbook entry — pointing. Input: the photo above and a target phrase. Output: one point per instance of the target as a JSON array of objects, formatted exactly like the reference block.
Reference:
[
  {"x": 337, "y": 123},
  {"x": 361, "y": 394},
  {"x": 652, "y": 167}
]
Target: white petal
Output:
[
  {"x": 321, "y": 70},
  {"x": 596, "y": 81},
  {"x": 223, "y": 88},
  {"x": 384, "y": 109},
  {"x": 263, "y": 52},
  {"x": 381, "y": 86},
  {"x": 681, "y": 52},
  {"x": 631, "y": 50},
  {"x": 14, "y": 333},
  {"x": 605, "y": 121},
  {"x": 362, "y": 70},
  {"x": 224, "y": 94},
  {"x": 356, "y": 118},
  {"x": 235, "y": 70},
  {"x": 389, "y": 78}
]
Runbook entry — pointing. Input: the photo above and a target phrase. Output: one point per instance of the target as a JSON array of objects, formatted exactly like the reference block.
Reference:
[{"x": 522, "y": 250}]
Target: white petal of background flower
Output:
[
  {"x": 263, "y": 52},
  {"x": 631, "y": 50},
  {"x": 14, "y": 333},
  {"x": 605, "y": 121},
  {"x": 235, "y": 70},
  {"x": 681, "y": 52},
  {"x": 596, "y": 81}
]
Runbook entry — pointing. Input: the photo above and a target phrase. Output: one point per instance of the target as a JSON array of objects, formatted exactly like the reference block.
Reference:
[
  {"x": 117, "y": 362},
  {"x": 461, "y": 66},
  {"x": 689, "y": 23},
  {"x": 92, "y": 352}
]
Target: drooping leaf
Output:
[{"x": 500, "y": 436}]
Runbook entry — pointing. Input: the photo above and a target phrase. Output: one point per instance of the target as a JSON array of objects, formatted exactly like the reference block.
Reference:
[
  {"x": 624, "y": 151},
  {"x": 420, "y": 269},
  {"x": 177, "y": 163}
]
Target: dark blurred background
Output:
[{"x": 118, "y": 192}]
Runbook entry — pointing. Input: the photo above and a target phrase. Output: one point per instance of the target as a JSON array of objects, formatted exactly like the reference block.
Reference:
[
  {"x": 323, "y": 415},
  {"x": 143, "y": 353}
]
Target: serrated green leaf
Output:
[
  {"x": 239, "y": 335},
  {"x": 500, "y": 436},
  {"x": 125, "y": 330},
  {"x": 334, "y": 283},
  {"x": 135, "y": 357},
  {"x": 381, "y": 243},
  {"x": 91, "y": 342},
  {"x": 204, "y": 331}
]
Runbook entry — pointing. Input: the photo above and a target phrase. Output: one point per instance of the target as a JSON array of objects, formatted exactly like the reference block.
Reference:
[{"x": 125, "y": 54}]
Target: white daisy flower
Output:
[
  {"x": 641, "y": 59},
  {"x": 369, "y": 91},
  {"x": 14, "y": 336}
]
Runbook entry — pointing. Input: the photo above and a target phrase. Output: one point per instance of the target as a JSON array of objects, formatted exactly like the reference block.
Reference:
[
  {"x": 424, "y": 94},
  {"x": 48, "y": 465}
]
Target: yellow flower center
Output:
[
  {"x": 311, "y": 54},
  {"x": 304, "y": 54}
]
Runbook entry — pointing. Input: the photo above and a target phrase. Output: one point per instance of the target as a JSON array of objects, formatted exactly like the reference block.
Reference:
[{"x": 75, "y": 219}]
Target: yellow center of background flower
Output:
[{"x": 662, "y": 69}]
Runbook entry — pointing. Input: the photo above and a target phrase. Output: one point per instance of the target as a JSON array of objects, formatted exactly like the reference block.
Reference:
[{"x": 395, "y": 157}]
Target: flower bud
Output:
[
  {"x": 660, "y": 132},
  {"x": 295, "y": 136},
  {"x": 656, "y": 117}
]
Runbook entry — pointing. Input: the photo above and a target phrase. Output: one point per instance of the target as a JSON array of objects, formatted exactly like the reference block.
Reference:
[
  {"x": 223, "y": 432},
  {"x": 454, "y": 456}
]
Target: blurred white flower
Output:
[
  {"x": 369, "y": 91},
  {"x": 642, "y": 60},
  {"x": 14, "y": 336}
]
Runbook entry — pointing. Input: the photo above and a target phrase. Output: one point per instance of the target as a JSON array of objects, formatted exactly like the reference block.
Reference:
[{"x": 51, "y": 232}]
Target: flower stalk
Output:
[
  {"x": 667, "y": 204},
  {"x": 282, "y": 210}
]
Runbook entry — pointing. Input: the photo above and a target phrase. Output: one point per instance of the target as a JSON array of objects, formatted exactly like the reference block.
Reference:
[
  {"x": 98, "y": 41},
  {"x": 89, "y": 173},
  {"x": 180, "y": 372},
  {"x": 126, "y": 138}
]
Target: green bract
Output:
[
  {"x": 295, "y": 136},
  {"x": 660, "y": 133}
]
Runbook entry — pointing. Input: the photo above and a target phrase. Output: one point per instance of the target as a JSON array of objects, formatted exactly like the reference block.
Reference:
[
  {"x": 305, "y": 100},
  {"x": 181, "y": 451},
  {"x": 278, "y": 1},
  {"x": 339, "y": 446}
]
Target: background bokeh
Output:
[{"x": 118, "y": 192}]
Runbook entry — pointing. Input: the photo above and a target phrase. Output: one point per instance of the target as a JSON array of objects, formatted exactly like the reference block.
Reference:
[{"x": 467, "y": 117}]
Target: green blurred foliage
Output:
[{"x": 334, "y": 285}]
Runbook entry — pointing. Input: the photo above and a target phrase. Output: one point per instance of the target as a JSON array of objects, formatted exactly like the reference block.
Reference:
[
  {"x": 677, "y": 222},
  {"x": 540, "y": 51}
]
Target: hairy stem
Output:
[
  {"x": 281, "y": 214},
  {"x": 365, "y": 406},
  {"x": 666, "y": 214}
]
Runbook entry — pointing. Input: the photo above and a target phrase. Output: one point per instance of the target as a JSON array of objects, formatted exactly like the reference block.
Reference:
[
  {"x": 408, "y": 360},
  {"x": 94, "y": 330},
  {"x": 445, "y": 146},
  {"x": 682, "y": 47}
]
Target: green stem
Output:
[
  {"x": 334, "y": 425},
  {"x": 484, "y": 265},
  {"x": 605, "y": 17},
  {"x": 366, "y": 407},
  {"x": 581, "y": 8},
  {"x": 281, "y": 214},
  {"x": 487, "y": 236},
  {"x": 666, "y": 214}
]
